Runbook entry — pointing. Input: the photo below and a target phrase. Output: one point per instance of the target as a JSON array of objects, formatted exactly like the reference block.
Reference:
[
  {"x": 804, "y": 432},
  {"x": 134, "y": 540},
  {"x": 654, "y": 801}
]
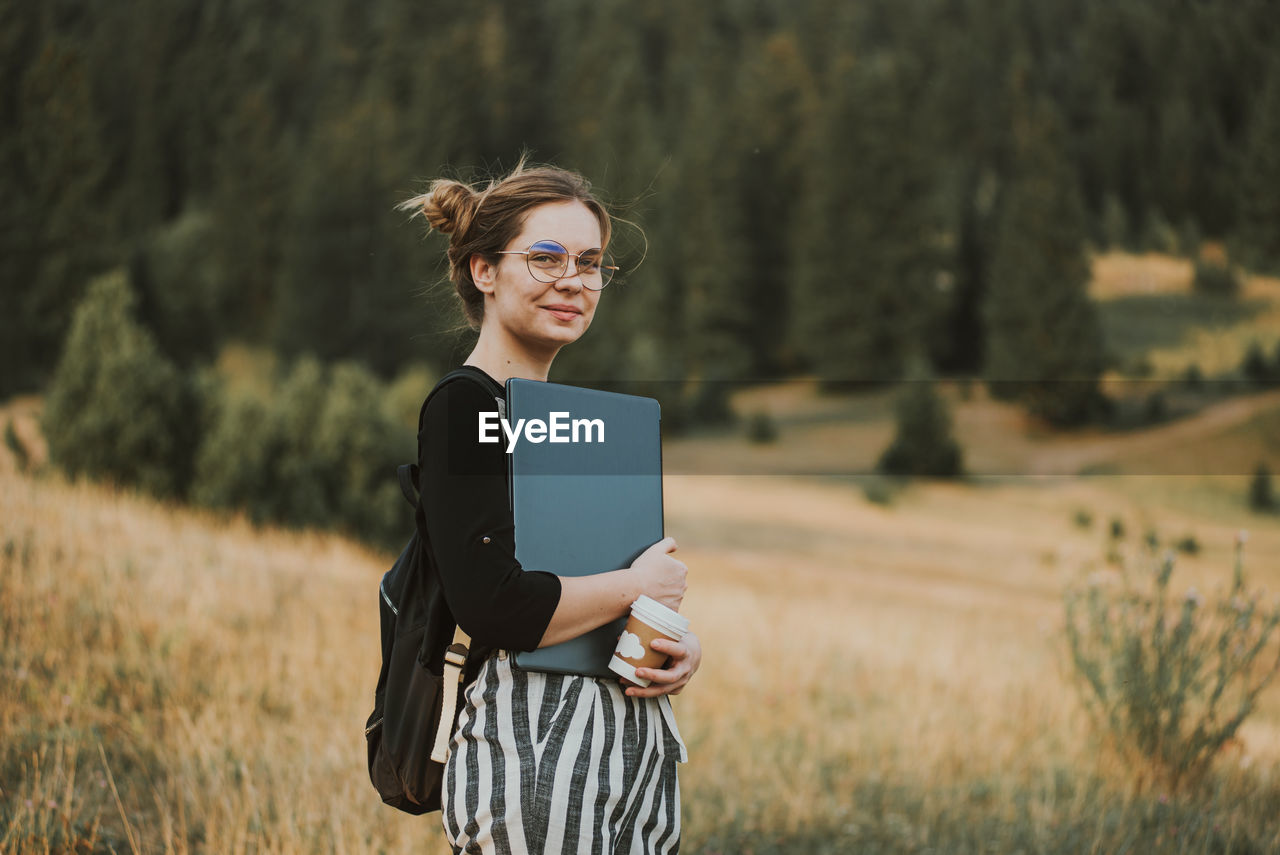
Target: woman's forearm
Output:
[{"x": 588, "y": 602}]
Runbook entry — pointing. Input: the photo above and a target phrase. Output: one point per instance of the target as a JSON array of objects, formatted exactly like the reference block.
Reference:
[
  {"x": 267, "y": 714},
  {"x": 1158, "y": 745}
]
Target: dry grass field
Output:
[{"x": 877, "y": 679}]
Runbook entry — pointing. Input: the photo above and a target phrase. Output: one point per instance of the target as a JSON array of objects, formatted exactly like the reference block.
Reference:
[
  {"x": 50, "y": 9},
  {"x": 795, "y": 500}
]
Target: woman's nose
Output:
[{"x": 570, "y": 281}]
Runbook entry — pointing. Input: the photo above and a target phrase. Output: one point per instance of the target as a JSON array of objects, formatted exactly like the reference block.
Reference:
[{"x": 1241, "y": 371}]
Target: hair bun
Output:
[{"x": 449, "y": 206}]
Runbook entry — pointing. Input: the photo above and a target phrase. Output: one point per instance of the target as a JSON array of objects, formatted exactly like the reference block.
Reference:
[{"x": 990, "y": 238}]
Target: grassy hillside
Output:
[
  {"x": 884, "y": 679},
  {"x": 878, "y": 677}
]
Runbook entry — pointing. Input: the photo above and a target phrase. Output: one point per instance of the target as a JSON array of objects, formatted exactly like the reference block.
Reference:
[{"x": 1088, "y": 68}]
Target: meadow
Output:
[
  {"x": 877, "y": 679},
  {"x": 884, "y": 676}
]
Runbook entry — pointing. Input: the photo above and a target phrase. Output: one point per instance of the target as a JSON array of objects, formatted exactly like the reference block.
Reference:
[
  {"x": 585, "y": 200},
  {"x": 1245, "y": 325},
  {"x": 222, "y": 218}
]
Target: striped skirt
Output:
[{"x": 547, "y": 763}]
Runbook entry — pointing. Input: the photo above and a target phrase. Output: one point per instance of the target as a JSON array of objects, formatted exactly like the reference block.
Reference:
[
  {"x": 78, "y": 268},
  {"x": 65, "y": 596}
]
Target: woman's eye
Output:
[{"x": 544, "y": 258}]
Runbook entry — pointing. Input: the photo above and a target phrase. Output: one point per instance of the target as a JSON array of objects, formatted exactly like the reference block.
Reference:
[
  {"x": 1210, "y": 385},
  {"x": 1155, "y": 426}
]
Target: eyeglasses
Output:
[{"x": 549, "y": 262}]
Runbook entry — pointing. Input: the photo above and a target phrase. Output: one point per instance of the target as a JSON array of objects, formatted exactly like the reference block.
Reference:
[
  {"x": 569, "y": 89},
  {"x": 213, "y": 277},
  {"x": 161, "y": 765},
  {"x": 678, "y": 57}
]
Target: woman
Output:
[{"x": 539, "y": 762}]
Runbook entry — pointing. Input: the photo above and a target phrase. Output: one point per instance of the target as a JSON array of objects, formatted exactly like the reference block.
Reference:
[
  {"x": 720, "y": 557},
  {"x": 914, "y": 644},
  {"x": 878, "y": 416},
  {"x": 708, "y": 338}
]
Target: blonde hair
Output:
[{"x": 483, "y": 221}]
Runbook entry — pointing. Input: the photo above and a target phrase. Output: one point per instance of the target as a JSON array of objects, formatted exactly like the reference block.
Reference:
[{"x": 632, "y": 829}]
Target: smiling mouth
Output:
[{"x": 564, "y": 314}]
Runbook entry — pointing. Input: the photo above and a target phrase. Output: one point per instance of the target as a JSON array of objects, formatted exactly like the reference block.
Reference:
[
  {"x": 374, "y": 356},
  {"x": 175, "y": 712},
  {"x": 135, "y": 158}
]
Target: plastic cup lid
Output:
[{"x": 650, "y": 608}]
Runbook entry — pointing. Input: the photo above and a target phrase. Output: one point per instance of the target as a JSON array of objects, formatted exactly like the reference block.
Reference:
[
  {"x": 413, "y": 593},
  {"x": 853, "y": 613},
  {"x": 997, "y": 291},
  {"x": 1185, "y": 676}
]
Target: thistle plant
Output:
[{"x": 1171, "y": 678}]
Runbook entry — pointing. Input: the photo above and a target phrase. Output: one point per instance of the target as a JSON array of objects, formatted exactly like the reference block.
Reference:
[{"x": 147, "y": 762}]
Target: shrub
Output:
[
  {"x": 116, "y": 408},
  {"x": 1255, "y": 367},
  {"x": 1169, "y": 678},
  {"x": 234, "y": 465},
  {"x": 1193, "y": 377},
  {"x": 1155, "y": 408},
  {"x": 183, "y": 297},
  {"x": 300, "y": 494},
  {"x": 320, "y": 450},
  {"x": 878, "y": 491},
  {"x": 761, "y": 428},
  {"x": 1261, "y": 497},
  {"x": 1216, "y": 279},
  {"x": 359, "y": 446},
  {"x": 406, "y": 392},
  {"x": 1159, "y": 235},
  {"x": 21, "y": 459},
  {"x": 1116, "y": 232},
  {"x": 1083, "y": 518},
  {"x": 923, "y": 444}
]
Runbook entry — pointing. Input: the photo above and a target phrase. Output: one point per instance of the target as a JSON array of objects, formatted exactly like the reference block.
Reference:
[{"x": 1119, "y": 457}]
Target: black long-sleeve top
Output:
[{"x": 465, "y": 508}]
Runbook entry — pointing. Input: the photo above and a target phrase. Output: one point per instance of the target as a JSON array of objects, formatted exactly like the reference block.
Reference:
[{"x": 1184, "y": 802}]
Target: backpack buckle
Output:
[{"x": 456, "y": 655}]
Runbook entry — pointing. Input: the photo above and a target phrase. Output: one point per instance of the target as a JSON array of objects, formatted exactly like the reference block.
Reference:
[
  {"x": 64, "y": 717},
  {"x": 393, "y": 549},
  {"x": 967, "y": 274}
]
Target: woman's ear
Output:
[{"x": 483, "y": 273}]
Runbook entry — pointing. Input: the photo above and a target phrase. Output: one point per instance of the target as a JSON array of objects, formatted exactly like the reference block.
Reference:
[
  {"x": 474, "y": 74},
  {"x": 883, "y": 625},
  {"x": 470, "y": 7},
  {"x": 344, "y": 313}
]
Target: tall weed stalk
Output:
[{"x": 1170, "y": 677}]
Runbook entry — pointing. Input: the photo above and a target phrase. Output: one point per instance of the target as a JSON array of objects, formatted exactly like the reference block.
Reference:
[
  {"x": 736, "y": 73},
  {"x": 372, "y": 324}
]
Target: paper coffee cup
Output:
[{"x": 649, "y": 619}]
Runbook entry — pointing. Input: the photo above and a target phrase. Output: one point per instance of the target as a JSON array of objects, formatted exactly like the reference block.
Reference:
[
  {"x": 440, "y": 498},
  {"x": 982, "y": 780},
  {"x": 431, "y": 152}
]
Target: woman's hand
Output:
[
  {"x": 686, "y": 656},
  {"x": 661, "y": 576}
]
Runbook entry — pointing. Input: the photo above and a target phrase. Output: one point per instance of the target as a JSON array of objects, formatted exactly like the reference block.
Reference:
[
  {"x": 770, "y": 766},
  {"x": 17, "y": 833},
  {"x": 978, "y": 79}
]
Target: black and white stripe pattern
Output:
[{"x": 546, "y": 763}]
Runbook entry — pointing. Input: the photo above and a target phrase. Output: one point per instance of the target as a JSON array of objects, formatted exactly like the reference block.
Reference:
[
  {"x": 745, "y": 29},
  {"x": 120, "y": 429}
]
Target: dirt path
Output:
[{"x": 1069, "y": 455}]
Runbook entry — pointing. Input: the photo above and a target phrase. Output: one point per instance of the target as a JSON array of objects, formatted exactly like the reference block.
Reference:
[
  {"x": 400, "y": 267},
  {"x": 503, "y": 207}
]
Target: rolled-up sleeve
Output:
[{"x": 468, "y": 520}]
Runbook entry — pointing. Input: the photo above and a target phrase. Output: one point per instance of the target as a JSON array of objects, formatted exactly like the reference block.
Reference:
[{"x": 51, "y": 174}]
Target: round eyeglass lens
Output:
[{"x": 549, "y": 261}]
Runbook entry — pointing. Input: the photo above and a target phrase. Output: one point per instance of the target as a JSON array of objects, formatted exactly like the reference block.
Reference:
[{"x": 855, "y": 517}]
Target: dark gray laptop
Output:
[{"x": 586, "y": 494}]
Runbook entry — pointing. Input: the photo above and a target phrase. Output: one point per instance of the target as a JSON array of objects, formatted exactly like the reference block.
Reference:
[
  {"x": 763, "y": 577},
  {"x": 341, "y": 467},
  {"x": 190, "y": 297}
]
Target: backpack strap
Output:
[
  {"x": 455, "y": 663},
  {"x": 409, "y": 472},
  {"x": 455, "y": 657}
]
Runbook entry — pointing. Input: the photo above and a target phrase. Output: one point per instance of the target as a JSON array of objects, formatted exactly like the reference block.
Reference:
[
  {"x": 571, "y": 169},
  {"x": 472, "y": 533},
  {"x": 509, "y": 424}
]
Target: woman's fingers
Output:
[{"x": 669, "y": 680}]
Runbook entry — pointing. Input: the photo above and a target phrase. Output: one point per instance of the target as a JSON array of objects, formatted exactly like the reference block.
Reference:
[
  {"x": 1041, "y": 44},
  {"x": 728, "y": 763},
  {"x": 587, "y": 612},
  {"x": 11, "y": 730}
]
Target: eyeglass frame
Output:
[{"x": 576, "y": 256}]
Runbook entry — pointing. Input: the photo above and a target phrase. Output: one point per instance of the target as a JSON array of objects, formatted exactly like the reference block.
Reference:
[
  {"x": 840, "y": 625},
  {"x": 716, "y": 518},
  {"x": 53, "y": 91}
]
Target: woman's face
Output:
[{"x": 542, "y": 315}]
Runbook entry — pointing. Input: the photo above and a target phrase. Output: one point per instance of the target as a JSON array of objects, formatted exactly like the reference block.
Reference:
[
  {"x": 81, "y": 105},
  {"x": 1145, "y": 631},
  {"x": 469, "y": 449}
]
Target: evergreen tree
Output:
[
  {"x": 248, "y": 208},
  {"x": 233, "y": 466},
  {"x": 182, "y": 294},
  {"x": 1044, "y": 338},
  {"x": 1258, "y": 214},
  {"x": 923, "y": 443},
  {"x": 1261, "y": 496},
  {"x": 116, "y": 409},
  {"x": 360, "y": 445},
  {"x": 299, "y": 488},
  {"x": 864, "y": 248},
  {"x": 779, "y": 103},
  {"x": 711, "y": 264},
  {"x": 59, "y": 238},
  {"x": 607, "y": 130},
  {"x": 342, "y": 294}
]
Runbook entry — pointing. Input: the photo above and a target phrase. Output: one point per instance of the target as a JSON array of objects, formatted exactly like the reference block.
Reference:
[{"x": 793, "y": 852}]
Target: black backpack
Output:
[{"x": 424, "y": 659}]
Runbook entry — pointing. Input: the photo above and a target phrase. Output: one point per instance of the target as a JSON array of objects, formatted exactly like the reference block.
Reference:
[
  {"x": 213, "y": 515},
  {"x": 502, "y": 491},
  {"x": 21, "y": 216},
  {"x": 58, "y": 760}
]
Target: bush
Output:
[
  {"x": 1159, "y": 235},
  {"x": 761, "y": 428},
  {"x": 1216, "y": 279},
  {"x": 183, "y": 298},
  {"x": 320, "y": 450},
  {"x": 1256, "y": 368},
  {"x": 359, "y": 446},
  {"x": 1155, "y": 408},
  {"x": 878, "y": 491},
  {"x": 116, "y": 408},
  {"x": 1261, "y": 497},
  {"x": 1169, "y": 678},
  {"x": 234, "y": 466},
  {"x": 1082, "y": 518},
  {"x": 1193, "y": 377},
  {"x": 923, "y": 444},
  {"x": 1116, "y": 233},
  {"x": 21, "y": 459}
]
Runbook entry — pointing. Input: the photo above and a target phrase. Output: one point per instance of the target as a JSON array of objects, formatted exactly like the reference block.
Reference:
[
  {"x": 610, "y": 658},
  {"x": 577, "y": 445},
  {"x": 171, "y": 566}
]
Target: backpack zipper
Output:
[{"x": 395, "y": 611}]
